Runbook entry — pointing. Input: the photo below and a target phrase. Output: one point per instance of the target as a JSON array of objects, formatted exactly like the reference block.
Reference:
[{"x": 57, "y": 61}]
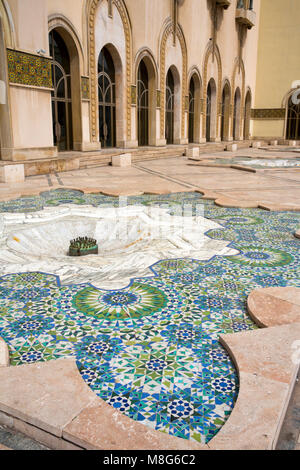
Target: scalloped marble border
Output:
[
  {"x": 57, "y": 408},
  {"x": 219, "y": 199},
  {"x": 274, "y": 306},
  {"x": 224, "y": 201}
]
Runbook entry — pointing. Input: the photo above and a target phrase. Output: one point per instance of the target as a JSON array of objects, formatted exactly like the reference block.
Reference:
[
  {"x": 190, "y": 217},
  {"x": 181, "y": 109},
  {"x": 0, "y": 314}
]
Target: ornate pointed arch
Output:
[
  {"x": 192, "y": 72},
  {"x": 145, "y": 53},
  {"x": 92, "y": 9},
  {"x": 195, "y": 99},
  {"x": 169, "y": 30},
  {"x": 226, "y": 82},
  {"x": 286, "y": 98},
  {"x": 146, "y": 87}
]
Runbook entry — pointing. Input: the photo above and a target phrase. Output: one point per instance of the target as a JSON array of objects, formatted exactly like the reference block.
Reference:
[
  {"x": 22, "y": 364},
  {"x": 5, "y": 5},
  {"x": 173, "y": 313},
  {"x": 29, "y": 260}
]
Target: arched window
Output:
[
  {"x": 143, "y": 104},
  {"x": 225, "y": 113},
  {"x": 107, "y": 99},
  {"x": 211, "y": 111},
  {"x": 191, "y": 110},
  {"x": 170, "y": 97},
  {"x": 61, "y": 95},
  {"x": 247, "y": 116},
  {"x": 237, "y": 115}
]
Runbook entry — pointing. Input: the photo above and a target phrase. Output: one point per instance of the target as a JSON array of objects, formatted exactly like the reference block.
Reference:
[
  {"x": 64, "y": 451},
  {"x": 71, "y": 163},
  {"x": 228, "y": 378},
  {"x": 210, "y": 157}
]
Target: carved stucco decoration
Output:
[
  {"x": 169, "y": 30},
  {"x": 93, "y": 65},
  {"x": 215, "y": 53}
]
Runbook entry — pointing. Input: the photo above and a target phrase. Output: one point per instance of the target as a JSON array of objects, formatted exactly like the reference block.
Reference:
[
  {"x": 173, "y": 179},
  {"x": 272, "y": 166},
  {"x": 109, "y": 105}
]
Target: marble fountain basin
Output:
[{"x": 130, "y": 240}]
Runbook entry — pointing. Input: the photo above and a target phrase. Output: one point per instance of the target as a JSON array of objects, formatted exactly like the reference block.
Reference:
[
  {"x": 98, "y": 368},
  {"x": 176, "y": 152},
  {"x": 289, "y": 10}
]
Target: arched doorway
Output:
[
  {"x": 170, "y": 102},
  {"x": 237, "y": 115},
  {"x": 293, "y": 120},
  {"x": 192, "y": 111},
  {"x": 106, "y": 99},
  {"x": 143, "y": 104},
  {"x": 211, "y": 111},
  {"x": 247, "y": 116},
  {"x": 208, "y": 112},
  {"x": 61, "y": 94},
  {"x": 225, "y": 113},
  {"x": 194, "y": 108}
]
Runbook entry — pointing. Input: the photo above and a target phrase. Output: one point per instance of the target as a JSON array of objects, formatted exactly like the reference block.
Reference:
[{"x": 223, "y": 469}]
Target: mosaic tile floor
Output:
[{"x": 151, "y": 350}]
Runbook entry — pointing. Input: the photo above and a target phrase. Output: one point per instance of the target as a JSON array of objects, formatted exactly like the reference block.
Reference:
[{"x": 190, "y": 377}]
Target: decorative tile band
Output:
[
  {"x": 29, "y": 69},
  {"x": 85, "y": 88},
  {"x": 273, "y": 113}
]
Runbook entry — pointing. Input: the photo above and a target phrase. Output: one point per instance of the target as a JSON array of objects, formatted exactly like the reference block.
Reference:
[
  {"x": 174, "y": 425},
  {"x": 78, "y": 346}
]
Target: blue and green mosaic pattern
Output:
[{"x": 151, "y": 350}]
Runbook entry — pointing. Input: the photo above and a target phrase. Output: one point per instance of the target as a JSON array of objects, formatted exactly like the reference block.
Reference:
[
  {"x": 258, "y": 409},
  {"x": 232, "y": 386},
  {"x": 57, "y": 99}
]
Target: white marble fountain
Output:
[{"x": 130, "y": 239}]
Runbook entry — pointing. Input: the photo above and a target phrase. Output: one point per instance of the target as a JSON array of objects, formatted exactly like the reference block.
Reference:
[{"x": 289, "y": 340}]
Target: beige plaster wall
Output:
[
  {"x": 73, "y": 12},
  {"x": 278, "y": 54},
  {"x": 269, "y": 128},
  {"x": 250, "y": 51},
  {"x": 31, "y": 24}
]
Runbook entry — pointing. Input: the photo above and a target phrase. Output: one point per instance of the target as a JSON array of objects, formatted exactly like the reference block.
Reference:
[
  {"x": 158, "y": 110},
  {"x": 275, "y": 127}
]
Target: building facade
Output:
[{"x": 85, "y": 75}]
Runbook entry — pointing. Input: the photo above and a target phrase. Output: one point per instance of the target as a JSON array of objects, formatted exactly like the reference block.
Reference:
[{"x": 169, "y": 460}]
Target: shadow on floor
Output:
[
  {"x": 17, "y": 441},
  {"x": 290, "y": 433}
]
